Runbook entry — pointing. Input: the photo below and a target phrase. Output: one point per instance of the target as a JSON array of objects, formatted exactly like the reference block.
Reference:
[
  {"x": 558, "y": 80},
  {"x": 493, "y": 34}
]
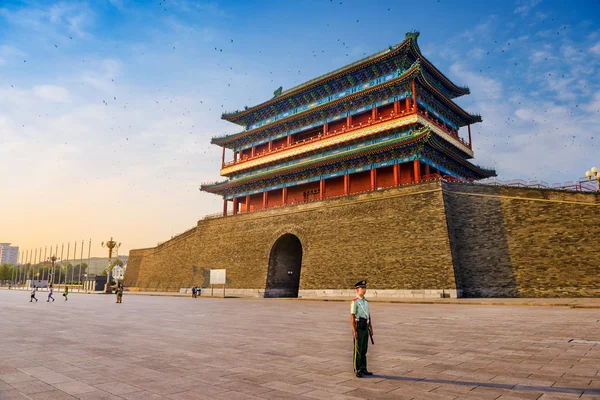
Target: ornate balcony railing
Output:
[{"x": 318, "y": 137}]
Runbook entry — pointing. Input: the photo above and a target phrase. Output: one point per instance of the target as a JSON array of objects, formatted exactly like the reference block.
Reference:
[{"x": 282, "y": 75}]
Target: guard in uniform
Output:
[{"x": 362, "y": 328}]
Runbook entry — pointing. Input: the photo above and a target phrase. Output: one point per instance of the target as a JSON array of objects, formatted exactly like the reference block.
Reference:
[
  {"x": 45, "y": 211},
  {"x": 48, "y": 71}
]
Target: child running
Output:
[
  {"x": 33, "y": 294},
  {"x": 66, "y": 293},
  {"x": 50, "y": 294}
]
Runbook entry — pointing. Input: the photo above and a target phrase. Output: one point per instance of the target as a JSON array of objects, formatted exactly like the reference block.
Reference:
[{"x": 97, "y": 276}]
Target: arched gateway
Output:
[{"x": 283, "y": 276}]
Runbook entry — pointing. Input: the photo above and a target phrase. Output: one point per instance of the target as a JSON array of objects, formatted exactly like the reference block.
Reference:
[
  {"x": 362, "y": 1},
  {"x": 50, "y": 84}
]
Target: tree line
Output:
[{"x": 62, "y": 273}]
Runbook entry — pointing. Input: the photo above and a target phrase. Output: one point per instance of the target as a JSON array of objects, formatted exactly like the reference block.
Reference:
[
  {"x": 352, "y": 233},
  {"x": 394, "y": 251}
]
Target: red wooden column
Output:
[
  {"x": 469, "y": 127},
  {"x": 253, "y": 151},
  {"x": 247, "y": 203},
  {"x": 235, "y": 205},
  {"x": 427, "y": 170},
  {"x": 396, "y": 174},
  {"x": 374, "y": 114},
  {"x": 284, "y": 196},
  {"x": 321, "y": 189},
  {"x": 407, "y": 105},
  {"x": 414, "y": 96},
  {"x": 348, "y": 121},
  {"x": 223, "y": 157},
  {"x": 396, "y": 107},
  {"x": 224, "y": 207},
  {"x": 265, "y": 199},
  {"x": 289, "y": 140},
  {"x": 346, "y": 183},
  {"x": 373, "y": 178},
  {"x": 241, "y": 154},
  {"x": 417, "y": 170},
  {"x": 325, "y": 128},
  {"x": 235, "y": 154},
  {"x": 270, "y": 145}
]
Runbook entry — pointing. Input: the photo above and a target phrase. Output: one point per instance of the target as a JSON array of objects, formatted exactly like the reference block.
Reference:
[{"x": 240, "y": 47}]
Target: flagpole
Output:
[
  {"x": 80, "y": 265},
  {"x": 89, "y": 253},
  {"x": 62, "y": 250}
]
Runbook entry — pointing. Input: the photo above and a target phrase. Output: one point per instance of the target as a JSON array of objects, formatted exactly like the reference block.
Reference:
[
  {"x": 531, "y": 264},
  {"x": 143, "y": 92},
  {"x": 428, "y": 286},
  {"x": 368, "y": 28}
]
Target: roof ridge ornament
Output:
[
  {"x": 412, "y": 35},
  {"x": 278, "y": 92}
]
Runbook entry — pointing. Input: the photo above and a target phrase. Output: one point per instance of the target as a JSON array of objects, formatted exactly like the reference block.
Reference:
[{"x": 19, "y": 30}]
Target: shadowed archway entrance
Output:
[{"x": 283, "y": 276}]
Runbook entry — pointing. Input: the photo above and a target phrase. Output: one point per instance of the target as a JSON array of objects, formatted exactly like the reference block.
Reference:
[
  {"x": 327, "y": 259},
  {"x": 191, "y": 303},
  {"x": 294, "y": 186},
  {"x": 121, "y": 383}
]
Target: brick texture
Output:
[{"x": 481, "y": 240}]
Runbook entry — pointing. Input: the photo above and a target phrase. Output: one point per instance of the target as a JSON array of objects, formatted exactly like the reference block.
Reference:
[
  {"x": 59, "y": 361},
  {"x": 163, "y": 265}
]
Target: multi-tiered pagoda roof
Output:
[{"x": 390, "y": 108}]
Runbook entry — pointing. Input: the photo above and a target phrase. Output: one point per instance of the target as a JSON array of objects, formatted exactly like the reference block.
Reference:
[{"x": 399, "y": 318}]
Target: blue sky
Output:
[{"x": 107, "y": 107}]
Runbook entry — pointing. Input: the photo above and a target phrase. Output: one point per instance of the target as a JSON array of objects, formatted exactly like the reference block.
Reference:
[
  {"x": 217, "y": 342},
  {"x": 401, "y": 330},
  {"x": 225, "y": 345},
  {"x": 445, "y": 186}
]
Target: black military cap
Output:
[{"x": 362, "y": 284}]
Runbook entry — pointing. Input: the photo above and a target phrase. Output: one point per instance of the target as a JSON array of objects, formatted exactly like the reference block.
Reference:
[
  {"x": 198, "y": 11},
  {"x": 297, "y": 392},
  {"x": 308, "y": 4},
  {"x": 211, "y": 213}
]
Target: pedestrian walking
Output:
[
  {"x": 120, "y": 294},
  {"x": 50, "y": 294},
  {"x": 362, "y": 329},
  {"x": 33, "y": 294},
  {"x": 66, "y": 293}
]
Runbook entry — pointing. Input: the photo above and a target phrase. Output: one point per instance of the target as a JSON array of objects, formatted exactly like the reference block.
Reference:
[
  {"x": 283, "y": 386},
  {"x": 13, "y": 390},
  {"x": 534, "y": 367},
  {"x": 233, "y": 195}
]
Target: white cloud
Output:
[
  {"x": 526, "y": 6},
  {"x": 595, "y": 49},
  {"x": 52, "y": 93}
]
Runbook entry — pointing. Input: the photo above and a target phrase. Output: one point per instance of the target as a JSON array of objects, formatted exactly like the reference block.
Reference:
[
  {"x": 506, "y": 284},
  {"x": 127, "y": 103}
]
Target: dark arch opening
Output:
[{"x": 283, "y": 276}]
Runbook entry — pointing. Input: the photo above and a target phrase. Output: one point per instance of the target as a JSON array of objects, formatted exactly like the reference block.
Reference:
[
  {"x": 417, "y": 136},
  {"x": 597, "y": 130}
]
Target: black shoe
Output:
[
  {"x": 359, "y": 374},
  {"x": 365, "y": 372}
]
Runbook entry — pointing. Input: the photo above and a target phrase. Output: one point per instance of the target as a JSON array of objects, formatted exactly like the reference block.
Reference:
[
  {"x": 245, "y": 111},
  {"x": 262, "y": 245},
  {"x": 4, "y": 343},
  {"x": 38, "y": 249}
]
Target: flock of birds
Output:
[{"x": 189, "y": 117}]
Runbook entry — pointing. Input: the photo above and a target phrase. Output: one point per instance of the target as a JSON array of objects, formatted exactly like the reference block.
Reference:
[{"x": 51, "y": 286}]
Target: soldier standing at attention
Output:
[{"x": 360, "y": 318}]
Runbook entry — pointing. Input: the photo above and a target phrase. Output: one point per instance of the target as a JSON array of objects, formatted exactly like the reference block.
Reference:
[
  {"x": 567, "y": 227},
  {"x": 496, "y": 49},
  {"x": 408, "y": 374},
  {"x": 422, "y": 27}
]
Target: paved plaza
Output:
[{"x": 156, "y": 347}]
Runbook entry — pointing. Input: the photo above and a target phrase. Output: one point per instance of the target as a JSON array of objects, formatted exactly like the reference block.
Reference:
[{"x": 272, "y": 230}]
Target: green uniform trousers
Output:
[{"x": 361, "y": 344}]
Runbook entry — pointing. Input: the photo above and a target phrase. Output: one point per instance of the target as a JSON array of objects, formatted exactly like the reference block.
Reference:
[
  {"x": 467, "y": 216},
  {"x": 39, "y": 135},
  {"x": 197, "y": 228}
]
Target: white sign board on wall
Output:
[{"x": 217, "y": 276}]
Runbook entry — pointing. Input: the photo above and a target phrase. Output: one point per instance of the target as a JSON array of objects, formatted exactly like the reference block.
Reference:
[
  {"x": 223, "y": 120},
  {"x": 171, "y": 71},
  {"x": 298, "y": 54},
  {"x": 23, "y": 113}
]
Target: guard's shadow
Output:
[{"x": 546, "y": 389}]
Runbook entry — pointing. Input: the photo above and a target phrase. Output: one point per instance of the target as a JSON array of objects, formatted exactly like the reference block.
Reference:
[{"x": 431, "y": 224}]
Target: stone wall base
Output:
[
  {"x": 337, "y": 293},
  {"x": 381, "y": 293}
]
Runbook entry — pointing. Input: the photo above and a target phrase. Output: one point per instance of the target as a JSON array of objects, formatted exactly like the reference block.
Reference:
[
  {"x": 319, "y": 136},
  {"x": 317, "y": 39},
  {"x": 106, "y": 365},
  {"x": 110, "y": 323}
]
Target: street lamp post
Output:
[
  {"x": 52, "y": 259},
  {"x": 111, "y": 244},
  {"x": 594, "y": 173}
]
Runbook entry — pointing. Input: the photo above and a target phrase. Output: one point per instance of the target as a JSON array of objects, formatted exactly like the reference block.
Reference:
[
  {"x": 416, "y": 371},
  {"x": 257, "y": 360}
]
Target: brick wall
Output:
[
  {"x": 493, "y": 241},
  {"x": 396, "y": 238},
  {"x": 521, "y": 242}
]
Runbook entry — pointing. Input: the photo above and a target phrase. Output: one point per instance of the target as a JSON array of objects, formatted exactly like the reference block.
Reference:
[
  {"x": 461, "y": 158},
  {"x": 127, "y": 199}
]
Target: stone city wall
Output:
[{"x": 410, "y": 241}]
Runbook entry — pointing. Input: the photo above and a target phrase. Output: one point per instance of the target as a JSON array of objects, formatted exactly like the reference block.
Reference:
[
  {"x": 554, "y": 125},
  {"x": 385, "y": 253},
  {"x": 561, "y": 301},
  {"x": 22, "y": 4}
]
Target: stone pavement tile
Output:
[
  {"x": 590, "y": 397},
  {"x": 322, "y": 378},
  {"x": 75, "y": 387},
  {"x": 243, "y": 387},
  {"x": 362, "y": 393},
  {"x": 454, "y": 389},
  {"x": 265, "y": 378},
  {"x": 497, "y": 392},
  {"x": 92, "y": 378},
  {"x": 5, "y": 386},
  {"x": 202, "y": 387},
  {"x": 191, "y": 395},
  {"x": 7, "y": 369},
  {"x": 322, "y": 395},
  {"x": 328, "y": 387},
  {"x": 16, "y": 377},
  {"x": 13, "y": 395},
  {"x": 236, "y": 396},
  {"x": 35, "y": 371},
  {"x": 54, "y": 377},
  {"x": 117, "y": 388},
  {"x": 97, "y": 395},
  {"x": 163, "y": 388},
  {"x": 419, "y": 393},
  {"x": 583, "y": 383},
  {"x": 554, "y": 396},
  {"x": 32, "y": 387},
  {"x": 286, "y": 387},
  {"x": 143, "y": 395},
  {"x": 279, "y": 395},
  {"x": 52, "y": 395}
]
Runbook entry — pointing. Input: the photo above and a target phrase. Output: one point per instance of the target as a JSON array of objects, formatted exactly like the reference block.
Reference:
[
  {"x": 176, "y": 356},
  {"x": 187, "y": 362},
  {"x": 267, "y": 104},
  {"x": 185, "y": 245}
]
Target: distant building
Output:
[{"x": 9, "y": 254}]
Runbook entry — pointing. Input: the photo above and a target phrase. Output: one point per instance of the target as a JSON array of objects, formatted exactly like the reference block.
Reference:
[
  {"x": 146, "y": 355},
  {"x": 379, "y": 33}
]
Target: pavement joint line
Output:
[{"x": 373, "y": 300}]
